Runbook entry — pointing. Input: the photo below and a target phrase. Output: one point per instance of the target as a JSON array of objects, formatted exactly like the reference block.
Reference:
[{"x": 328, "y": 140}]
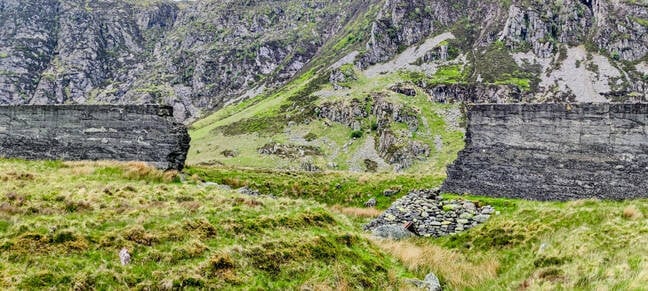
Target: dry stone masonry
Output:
[
  {"x": 146, "y": 133},
  {"x": 427, "y": 214},
  {"x": 554, "y": 152}
]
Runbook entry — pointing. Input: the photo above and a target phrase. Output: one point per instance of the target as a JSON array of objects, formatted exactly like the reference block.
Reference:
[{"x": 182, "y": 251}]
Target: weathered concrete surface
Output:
[
  {"x": 554, "y": 152},
  {"x": 147, "y": 133}
]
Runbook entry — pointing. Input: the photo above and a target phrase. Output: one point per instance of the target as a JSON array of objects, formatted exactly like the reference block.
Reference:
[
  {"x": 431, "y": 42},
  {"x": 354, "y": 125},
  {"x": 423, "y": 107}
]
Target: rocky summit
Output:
[{"x": 426, "y": 213}]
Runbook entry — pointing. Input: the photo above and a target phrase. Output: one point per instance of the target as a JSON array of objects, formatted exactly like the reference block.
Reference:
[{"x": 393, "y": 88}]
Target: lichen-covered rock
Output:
[
  {"x": 395, "y": 149},
  {"x": 347, "y": 114},
  {"x": 399, "y": 152},
  {"x": 392, "y": 231}
]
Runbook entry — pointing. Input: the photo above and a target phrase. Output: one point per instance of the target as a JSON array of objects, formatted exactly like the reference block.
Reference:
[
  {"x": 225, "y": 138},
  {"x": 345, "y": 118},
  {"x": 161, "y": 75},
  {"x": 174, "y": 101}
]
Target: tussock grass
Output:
[
  {"x": 588, "y": 244},
  {"x": 458, "y": 270},
  {"x": 344, "y": 188},
  {"x": 63, "y": 224},
  {"x": 357, "y": 212},
  {"x": 632, "y": 212}
]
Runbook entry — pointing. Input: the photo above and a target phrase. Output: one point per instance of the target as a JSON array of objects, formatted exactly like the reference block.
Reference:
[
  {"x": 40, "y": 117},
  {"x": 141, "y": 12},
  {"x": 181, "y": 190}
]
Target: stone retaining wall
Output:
[
  {"x": 147, "y": 133},
  {"x": 554, "y": 152}
]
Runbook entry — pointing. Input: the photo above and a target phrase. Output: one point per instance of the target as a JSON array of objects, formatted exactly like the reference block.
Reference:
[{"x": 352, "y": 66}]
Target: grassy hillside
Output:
[
  {"x": 288, "y": 117},
  {"x": 62, "y": 225}
]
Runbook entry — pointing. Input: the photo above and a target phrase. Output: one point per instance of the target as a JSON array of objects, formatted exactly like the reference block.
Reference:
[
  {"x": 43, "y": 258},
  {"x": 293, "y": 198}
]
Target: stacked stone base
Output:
[{"x": 428, "y": 215}]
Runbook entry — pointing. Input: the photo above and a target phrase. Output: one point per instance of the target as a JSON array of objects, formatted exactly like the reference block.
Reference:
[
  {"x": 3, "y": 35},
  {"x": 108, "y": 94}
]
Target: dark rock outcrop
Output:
[
  {"x": 396, "y": 149},
  {"x": 477, "y": 93},
  {"x": 145, "y": 133},
  {"x": 554, "y": 152},
  {"x": 349, "y": 115}
]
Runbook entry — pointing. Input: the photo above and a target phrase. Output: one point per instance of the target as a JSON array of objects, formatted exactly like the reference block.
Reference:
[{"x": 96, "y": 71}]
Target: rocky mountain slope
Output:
[
  {"x": 193, "y": 55},
  {"x": 355, "y": 85}
]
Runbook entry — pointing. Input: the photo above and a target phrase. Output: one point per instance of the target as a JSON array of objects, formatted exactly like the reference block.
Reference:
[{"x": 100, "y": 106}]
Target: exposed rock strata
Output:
[
  {"x": 554, "y": 152},
  {"x": 82, "y": 132}
]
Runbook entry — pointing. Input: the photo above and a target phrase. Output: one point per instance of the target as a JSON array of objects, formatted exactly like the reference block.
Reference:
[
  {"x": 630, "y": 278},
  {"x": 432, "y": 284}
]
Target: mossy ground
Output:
[
  {"x": 344, "y": 188},
  {"x": 62, "y": 225}
]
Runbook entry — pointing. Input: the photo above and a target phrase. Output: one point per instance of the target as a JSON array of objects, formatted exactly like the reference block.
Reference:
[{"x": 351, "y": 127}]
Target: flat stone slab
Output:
[
  {"x": 554, "y": 151},
  {"x": 147, "y": 133}
]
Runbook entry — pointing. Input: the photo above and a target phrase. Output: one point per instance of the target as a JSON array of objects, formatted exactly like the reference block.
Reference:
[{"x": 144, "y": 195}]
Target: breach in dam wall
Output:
[
  {"x": 554, "y": 152},
  {"x": 147, "y": 133}
]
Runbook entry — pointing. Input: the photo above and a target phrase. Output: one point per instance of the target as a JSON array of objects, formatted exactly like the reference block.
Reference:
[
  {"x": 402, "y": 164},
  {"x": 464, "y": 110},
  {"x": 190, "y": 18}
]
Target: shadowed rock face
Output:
[
  {"x": 554, "y": 152},
  {"x": 80, "y": 132}
]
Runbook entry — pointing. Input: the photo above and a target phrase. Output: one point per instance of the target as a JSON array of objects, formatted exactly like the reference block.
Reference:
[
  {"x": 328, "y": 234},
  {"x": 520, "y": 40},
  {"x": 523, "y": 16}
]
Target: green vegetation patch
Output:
[
  {"x": 297, "y": 107},
  {"x": 583, "y": 244},
  {"x": 343, "y": 188},
  {"x": 63, "y": 224},
  {"x": 496, "y": 66}
]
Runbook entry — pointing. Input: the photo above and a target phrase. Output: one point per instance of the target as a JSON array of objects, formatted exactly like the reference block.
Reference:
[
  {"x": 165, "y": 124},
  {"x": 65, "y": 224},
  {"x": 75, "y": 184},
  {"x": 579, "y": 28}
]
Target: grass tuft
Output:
[
  {"x": 357, "y": 212},
  {"x": 632, "y": 213},
  {"x": 456, "y": 269}
]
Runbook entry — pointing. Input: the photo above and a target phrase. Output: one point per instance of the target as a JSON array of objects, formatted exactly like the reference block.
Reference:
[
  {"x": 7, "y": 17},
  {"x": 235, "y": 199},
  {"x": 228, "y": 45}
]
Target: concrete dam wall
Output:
[
  {"x": 147, "y": 133},
  {"x": 554, "y": 152}
]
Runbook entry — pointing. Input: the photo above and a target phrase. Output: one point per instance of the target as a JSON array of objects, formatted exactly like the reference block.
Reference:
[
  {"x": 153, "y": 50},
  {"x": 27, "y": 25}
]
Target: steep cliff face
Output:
[
  {"x": 539, "y": 42},
  {"x": 102, "y": 48},
  {"x": 27, "y": 45},
  {"x": 222, "y": 51},
  {"x": 403, "y": 23},
  {"x": 71, "y": 51}
]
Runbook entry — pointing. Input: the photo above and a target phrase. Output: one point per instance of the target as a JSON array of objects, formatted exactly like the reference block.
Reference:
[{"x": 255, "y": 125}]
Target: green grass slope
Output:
[
  {"x": 288, "y": 117},
  {"x": 62, "y": 225}
]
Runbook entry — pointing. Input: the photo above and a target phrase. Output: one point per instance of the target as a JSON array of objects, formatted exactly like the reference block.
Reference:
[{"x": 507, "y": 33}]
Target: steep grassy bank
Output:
[{"x": 233, "y": 136}]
